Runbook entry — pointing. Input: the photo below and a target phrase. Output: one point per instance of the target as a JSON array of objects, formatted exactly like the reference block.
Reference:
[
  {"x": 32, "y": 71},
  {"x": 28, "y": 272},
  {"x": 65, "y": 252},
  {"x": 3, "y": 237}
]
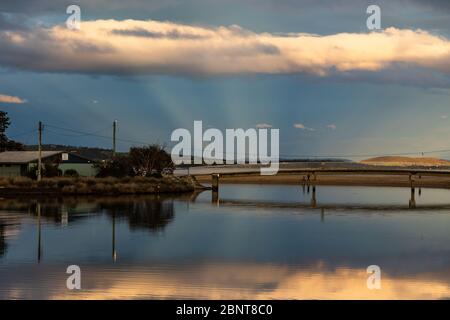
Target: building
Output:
[{"x": 18, "y": 163}]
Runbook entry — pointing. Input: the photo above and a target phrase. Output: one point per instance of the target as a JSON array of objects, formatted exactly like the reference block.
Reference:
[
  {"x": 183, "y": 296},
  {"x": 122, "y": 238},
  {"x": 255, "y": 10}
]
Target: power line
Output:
[
  {"x": 95, "y": 134},
  {"x": 79, "y": 135},
  {"x": 22, "y": 134}
]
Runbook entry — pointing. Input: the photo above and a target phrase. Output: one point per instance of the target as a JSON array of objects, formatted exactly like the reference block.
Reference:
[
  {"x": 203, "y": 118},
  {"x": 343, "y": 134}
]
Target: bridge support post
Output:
[
  {"x": 313, "y": 197},
  {"x": 412, "y": 201},
  {"x": 215, "y": 198},
  {"x": 215, "y": 182}
]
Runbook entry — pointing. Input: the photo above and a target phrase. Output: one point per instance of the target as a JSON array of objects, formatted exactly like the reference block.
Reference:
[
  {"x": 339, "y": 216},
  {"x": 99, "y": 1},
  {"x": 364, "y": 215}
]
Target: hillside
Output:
[{"x": 407, "y": 161}]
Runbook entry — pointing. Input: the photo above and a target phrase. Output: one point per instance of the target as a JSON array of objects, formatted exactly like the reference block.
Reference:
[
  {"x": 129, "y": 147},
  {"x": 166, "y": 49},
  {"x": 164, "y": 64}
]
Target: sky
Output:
[{"x": 309, "y": 68}]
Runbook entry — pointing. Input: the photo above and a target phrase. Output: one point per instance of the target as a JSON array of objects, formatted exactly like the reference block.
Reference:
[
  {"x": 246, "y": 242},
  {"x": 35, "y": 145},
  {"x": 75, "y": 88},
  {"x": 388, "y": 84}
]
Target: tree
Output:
[
  {"x": 49, "y": 169},
  {"x": 146, "y": 161},
  {"x": 117, "y": 167},
  {"x": 5, "y": 143},
  {"x": 4, "y": 124},
  {"x": 150, "y": 160}
]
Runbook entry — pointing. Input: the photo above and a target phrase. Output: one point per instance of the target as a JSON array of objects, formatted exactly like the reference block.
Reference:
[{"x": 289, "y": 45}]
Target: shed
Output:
[{"x": 18, "y": 163}]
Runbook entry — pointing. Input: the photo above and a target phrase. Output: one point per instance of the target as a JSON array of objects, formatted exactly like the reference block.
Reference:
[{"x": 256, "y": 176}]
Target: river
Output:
[{"x": 249, "y": 242}]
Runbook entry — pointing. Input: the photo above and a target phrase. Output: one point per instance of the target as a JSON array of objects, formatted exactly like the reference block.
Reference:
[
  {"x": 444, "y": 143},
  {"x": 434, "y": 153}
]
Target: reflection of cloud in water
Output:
[{"x": 232, "y": 281}]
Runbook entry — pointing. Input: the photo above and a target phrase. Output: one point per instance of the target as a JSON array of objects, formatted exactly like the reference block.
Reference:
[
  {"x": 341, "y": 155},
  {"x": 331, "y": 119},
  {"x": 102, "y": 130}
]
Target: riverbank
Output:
[
  {"x": 97, "y": 186},
  {"x": 337, "y": 180}
]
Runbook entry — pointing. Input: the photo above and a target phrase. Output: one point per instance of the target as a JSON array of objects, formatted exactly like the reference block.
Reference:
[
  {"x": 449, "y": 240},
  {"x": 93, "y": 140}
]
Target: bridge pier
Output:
[
  {"x": 215, "y": 182},
  {"x": 411, "y": 179},
  {"x": 412, "y": 201},
  {"x": 313, "y": 197},
  {"x": 215, "y": 197}
]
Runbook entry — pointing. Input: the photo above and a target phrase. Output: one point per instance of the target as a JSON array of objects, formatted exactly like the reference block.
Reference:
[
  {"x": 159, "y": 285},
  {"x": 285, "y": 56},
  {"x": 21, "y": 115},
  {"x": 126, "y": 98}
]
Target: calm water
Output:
[{"x": 255, "y": 242}]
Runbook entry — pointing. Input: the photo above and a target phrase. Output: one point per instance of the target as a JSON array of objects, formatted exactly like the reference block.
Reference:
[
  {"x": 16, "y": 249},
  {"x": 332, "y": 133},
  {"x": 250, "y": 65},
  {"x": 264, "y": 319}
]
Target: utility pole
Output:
[
  {"x": 39, "y": 169},
  {"x": 114, "y": 137}
]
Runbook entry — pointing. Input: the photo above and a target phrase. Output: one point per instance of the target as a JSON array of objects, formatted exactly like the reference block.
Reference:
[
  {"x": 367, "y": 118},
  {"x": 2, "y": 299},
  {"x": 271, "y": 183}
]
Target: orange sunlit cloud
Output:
[
  {"x": 153, "y": 47},
  {"x": 11, "y": 99}
]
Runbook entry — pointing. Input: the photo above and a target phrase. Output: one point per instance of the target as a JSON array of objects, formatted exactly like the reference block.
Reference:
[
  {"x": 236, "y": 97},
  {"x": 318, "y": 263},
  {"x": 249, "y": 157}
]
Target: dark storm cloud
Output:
[
  {"x": 52, "y": 6},
  {"x": 98, "y": 48},
  {"x": 399, "y": 74},
  {"x": 441, "y": 5},
  {"x": 173, "y": 34},
  {"x": 46, "y": 6}
]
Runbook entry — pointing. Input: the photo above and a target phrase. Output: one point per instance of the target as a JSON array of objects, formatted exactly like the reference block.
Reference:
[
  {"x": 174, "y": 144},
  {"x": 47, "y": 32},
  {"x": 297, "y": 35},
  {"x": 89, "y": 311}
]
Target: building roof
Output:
[{"x": 23, "y": 157}]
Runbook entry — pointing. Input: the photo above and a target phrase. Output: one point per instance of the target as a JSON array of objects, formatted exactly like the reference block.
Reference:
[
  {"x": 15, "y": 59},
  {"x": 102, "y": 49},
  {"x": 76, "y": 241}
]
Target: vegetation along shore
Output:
[{"x": 96, "y": 186}]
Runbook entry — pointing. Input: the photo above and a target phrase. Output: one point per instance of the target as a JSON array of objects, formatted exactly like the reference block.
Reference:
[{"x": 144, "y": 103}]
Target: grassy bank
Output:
[{"x": 97, "y": 186}]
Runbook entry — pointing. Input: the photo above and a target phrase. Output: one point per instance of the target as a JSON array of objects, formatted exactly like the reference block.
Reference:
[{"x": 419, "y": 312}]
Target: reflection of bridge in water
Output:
[
  {"x": 309, "y": 178},
  {"x": 314, "y": 204}
]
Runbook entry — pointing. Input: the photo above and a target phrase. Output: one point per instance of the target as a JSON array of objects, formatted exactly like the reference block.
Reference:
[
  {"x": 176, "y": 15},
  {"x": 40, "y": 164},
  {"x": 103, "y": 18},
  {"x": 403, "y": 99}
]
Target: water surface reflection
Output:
[{"x": 253, "y": 242}]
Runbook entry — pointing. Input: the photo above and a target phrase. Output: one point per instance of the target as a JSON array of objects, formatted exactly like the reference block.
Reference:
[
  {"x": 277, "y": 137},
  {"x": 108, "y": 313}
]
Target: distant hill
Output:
[
  {"x": 406, "y": 161},
  {"x": 87, "y": 152},
  {"x": 315, "y": 160}
]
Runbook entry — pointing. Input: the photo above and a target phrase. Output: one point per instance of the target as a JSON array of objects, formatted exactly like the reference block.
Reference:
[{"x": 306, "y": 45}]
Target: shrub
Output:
[
  {"x": 71, "y": 173},
  {"x": 47, "y": 183},
  {"x": 64, "y": 182},
  {"x": 117, "y": 167}
]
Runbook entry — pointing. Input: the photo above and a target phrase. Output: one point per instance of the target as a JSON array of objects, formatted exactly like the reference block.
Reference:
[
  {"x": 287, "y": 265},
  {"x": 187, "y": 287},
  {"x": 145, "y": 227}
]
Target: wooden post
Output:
[
  {"x": 215, "y": 198},
  {"x": 215, "y": 181},
  {"x": 412, "y": 201},
  {"x": 39, "y": 168},
  {"x": 114, "y": 138},
  {"x": 39, "y": 253},
  {"x": 114, "y": 254},
  {"x": 313, "y": 197},
  {"x": 411, "y": 180}
]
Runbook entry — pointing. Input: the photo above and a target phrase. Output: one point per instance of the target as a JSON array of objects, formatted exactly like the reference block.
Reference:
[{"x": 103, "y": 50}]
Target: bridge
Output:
[{"x": 309, "y": 176}]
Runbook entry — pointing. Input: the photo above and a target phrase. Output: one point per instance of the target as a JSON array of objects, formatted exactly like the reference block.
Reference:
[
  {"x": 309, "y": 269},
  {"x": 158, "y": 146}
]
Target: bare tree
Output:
[{"x": 150, "y": 160}]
